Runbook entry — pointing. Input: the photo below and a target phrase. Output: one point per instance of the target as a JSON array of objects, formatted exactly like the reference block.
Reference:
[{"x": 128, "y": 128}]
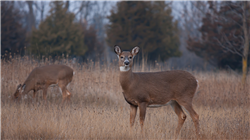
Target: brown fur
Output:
[
  {"x": 43, "y": 77},
  {"x": 157, "y": 88}
]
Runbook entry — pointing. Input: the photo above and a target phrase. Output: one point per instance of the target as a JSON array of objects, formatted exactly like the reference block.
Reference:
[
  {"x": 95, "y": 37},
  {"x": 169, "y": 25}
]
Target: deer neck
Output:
[
  {"x": 28, "y": 86},
  {"x": 126, "y": 78}
]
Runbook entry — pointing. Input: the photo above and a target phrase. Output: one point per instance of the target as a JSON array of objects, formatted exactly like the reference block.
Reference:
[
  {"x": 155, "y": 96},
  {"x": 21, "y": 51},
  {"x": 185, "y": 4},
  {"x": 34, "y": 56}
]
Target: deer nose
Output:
[{"x": 126, "y": 62}]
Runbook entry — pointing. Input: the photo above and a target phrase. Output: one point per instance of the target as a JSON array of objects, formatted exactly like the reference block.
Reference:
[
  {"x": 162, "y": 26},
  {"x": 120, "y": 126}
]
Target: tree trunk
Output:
[
  {"x": 42, "y": 10},
  {"x": 67, "y": 5},
  {"x": 31, "y": 20},
  {"x": 244, "y": 69},
  {"x": 246, "y": 45}
]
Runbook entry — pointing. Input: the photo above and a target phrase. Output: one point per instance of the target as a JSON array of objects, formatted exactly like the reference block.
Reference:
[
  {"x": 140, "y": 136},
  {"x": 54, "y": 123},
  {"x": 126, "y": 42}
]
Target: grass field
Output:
[{"x": 98, "y": 110}]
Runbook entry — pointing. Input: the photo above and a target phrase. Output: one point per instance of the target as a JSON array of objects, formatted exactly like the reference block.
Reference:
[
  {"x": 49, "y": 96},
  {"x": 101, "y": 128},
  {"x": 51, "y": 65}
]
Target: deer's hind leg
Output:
[
  {"x": 187, "y": 104},
  {"x": 181, "y": 116},
  {"x": 195, "y": 118},
  {"x": 65, "y": 93},
  {"x": 68, "y": 94}
]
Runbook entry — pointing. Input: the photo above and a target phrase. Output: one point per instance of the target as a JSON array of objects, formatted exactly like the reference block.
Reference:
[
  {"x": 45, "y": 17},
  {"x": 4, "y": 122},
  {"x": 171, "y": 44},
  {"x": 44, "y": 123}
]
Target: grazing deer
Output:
[
  {"x": 43, "y": 77},
  {"x": 156, "y": 89}
]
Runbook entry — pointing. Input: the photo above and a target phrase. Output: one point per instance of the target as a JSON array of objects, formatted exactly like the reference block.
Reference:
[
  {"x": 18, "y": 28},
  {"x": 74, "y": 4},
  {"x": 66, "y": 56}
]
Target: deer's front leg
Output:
[
  {"x": 142, "y": 108},
  {"x": 45, "y": 92},
  {"x": 133, "y": 110},
  {"x": 34, "y": 95}
]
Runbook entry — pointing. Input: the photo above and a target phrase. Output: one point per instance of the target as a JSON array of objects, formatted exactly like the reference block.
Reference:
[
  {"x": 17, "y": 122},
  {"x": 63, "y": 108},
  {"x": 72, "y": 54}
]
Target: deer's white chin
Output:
[{"x": 124, "y": 68}]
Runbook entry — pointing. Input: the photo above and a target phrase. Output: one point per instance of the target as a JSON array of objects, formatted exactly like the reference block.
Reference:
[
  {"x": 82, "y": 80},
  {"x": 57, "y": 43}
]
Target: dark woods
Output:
[
  {"x": 222, "y": 41},
  {"x": 217, "y": 32},
  {"x": 56, "y": 35},
  {"x": 13, "y": 34}
]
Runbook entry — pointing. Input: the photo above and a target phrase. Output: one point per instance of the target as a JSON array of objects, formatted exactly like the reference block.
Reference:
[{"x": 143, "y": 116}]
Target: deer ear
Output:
[
  {"x": 135, "y": 51},
  {"x": 19, "y": 87},
  {"x": 117, "y": 50},
  {"x": 23, "y": 87}
]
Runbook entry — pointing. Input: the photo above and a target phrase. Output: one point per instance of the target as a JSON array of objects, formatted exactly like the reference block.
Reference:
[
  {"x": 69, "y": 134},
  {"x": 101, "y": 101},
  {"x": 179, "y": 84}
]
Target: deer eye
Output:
[
  {"x": 121, "y": 57},
  {"x": 130, "y": 57}
]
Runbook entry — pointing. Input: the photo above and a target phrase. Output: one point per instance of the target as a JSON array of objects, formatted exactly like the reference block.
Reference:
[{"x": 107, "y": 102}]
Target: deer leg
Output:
[
  {"x": 68, "y": 94},
  {"x": 64, "y": 94},
  {"x": 63, "y": 89},
  {"x": 142, "y": 108},
  {"x": 181, "y": 116},
  {"x": 133, "y": 110},
  {"x": 67, "y": 91},
  {"x": 34, "y": 95},
  {"x": 45, "y": 93},
  {"x": 194, "y": 116}
]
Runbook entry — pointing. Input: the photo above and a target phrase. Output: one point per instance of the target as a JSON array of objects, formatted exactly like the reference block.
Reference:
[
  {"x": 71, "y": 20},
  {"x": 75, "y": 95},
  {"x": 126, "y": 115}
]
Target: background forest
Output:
[{"x": 199, "y": 35}]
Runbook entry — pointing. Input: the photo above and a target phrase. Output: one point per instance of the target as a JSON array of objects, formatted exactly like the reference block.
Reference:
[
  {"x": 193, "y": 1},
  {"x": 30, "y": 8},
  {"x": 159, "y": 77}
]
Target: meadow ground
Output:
[{"x": 98, "y": 110}]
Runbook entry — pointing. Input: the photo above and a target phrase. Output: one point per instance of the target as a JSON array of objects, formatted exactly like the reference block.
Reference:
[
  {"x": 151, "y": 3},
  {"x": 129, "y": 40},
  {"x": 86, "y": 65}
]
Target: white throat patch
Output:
[{"x": 124, "y": 68}]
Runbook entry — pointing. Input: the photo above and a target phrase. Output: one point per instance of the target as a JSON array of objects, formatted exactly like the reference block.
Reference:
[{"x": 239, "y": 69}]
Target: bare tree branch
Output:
[{"x": 228, "y": 49}]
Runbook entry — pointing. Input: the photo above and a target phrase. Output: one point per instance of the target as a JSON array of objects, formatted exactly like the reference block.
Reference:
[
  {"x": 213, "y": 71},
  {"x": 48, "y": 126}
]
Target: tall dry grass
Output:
[{"x": 98, "y": 110}]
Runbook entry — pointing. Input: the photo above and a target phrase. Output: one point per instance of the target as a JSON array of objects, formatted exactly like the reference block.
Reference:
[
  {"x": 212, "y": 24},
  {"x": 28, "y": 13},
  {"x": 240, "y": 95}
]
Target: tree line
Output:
[
  {"x": 218, "y": 32},
  {"x": 149, "y": 25},
  {"x": 224, "y": 39}
]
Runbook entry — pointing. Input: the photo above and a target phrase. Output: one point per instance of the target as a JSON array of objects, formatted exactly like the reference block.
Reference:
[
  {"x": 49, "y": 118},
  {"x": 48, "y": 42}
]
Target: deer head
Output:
[
  {"x": 126, "y": 57},
  {"x": 19, "y": 90}
]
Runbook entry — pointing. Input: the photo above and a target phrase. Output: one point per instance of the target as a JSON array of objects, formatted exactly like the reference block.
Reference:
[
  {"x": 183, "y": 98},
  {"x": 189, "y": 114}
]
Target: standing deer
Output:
[
  {"x": 43, "y": 77},
  {"x": 156, "y": 89}
]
